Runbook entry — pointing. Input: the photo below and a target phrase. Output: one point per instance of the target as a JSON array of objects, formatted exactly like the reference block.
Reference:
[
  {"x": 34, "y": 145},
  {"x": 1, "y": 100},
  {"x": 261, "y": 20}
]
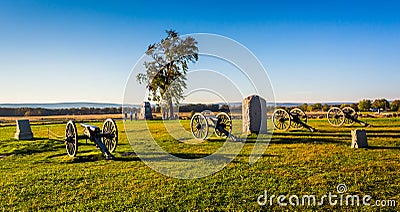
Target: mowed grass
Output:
[{"x": 38, "y": 174}]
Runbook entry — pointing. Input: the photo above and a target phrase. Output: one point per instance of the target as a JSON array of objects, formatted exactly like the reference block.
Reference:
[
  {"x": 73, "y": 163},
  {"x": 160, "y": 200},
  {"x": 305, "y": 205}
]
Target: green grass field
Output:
[{"x": 38, "y": 174}]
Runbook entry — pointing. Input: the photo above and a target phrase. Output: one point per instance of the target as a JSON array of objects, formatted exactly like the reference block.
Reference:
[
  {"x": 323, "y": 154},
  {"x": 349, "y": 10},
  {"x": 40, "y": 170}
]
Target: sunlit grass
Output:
[{"x": 38, "y": 174}]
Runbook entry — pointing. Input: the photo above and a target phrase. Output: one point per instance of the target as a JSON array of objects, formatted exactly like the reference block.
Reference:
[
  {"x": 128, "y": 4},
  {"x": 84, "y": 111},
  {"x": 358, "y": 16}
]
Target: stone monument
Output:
[
  {"x": 254, "y": 115},
  {"x": 145, "y": 111},
  {"x": 24, "y": 131},
  {"x": 359, "y": 139}
]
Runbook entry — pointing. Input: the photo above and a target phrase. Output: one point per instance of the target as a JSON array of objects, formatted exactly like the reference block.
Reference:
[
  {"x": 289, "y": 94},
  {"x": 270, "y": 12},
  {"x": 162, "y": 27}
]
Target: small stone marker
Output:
[
  {"x": 24, "y": 131},
  {"x": 359, "y": 139},
  {"x": 254, "y": 115},
  {"x": 145, "y": 111}
]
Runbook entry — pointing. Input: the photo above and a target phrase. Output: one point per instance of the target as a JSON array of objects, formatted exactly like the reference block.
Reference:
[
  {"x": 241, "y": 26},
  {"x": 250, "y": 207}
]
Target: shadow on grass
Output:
[
  {"x": 86, "y": 158},
  {"x": 127, "y": 159},
  {"x": 372, "y": 130},
  {"x": 202, "y": 155},
  {"x": 342, "y": 134},
  {"x": 157, "y": 157},
  {"x": 37, "y": 146},
  {"x": 217, "y": 140},
  {"x": 28, "y": 151},
  {"x": 131, "y": 156},
  {"x": 57, "y": 155},
  {"x": 315, "y": 134},
  {"x": 384, "y": 147},
  {"x": 306, "y": 141},
  {"x": 294, "y": 140},
  {"x": 190, "y": 155},
  {"x": 98, "y": 157},
  {"x": 382, "y": 136},
  {"x": 65, "y": 153},
  {"x": 7, "y": 141},
  {"x": 40, "y": 139}
]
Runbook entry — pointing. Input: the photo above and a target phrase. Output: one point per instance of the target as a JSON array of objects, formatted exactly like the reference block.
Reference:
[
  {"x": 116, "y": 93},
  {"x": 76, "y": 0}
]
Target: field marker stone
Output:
[
  {"x": 24, "y": 131},
  {"x": 145, "y": 111},
  {"x": 254, "y": 115},
  {"x": 359, "y": 139}
]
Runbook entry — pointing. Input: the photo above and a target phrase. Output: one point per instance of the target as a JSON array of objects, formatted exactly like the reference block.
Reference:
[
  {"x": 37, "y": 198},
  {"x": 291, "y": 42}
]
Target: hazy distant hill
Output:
[{"x": 61, "y": 105}]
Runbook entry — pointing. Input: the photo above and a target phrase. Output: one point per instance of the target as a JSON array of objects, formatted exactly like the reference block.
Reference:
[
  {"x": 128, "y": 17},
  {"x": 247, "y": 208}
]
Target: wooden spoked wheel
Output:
[
  {"x": 226, "y": 123},
  {"x": 110, "y": 132},
  {"x": 71, "y": 139},
  {"x": 299, "y": 114},
  {"x": 281, "y": 119},
  {"x": 350, "y": 115},
  {"x": 199, "y": 126},
  {"x": 335, "y": 116}
]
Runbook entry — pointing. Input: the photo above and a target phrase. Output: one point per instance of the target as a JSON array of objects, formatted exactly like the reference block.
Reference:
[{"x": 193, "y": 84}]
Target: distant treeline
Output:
[
  {"x": 210, "y": 107},
  {"x": 193, "y": 108},
  {"x": 199, "y": 107},
  {"x": 65, "y": 111},
  {"x": 363, "y": 105},
  {"x": 25, "y": 111}
]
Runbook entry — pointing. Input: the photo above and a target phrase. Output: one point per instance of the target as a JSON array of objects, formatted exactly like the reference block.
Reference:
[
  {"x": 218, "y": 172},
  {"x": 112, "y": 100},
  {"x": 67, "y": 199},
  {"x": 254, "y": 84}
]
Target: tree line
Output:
[
  {"x": 199, "y": 108},
  {"x": 25, "y": 111},
  {"x": 363, "y": 105}
]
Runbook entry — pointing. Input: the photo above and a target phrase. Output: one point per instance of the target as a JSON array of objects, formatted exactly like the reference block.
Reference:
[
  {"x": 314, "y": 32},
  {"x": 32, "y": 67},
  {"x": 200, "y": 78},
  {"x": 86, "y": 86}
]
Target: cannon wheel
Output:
[
  {"x": 227, "y": 121},
  {"x": 349, "y": 112},
  {"x": 301, "y": 115},
  {"x": 111, "y": 140},
  {"x": 281, "y": 119},
  {"x": 335, "y": 116},
  {"x": 71, "y": 138},
  {"x": 199, "y": 126}
]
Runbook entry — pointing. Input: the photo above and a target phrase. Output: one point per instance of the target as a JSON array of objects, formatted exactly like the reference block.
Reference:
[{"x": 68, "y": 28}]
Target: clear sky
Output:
[{"x": 314, "y": 51}]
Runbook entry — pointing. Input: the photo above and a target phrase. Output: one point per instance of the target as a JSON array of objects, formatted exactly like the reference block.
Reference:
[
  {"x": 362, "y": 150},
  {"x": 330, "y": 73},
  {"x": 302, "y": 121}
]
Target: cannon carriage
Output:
[
  {"x": 201, "y": 123},
  {"x": 105, "y": 139},
  {"x": 295, "y": 119},
  {"x": 346, "y": 116}
]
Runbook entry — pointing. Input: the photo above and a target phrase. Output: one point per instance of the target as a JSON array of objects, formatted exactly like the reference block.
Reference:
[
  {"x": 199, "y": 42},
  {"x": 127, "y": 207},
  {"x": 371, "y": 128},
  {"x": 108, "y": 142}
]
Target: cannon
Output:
[
  {"x": 346, "y": 116},
  {"x": 201, "y": 122},
  {"x": 106, "y": 139},
  {"x": 295, "y": 119}
]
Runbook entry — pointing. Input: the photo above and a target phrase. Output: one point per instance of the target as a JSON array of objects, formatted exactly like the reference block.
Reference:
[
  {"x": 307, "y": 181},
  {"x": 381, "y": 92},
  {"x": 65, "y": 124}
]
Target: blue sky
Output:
[{"x": 313, "y": 51}]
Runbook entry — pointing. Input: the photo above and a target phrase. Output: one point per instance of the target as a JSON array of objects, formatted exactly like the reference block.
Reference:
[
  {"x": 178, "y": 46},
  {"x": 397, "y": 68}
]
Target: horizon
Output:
[
  {"x": 152, "y": 102},
  {"x": 80, "y": 51}
]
